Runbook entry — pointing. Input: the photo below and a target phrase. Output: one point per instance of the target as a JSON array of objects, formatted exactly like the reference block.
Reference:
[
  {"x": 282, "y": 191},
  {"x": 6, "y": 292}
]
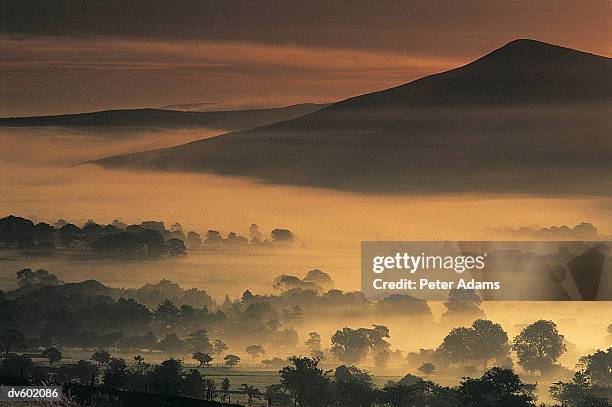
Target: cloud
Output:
[
  {"x": 69, "y": 74},
  {"x": 122, "y": 54}
]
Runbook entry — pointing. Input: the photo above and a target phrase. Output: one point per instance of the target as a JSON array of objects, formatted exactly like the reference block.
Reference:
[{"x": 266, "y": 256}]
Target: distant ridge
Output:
[
  {"x": 529, "y": 117},
  {"x": 166, "y": 119}
]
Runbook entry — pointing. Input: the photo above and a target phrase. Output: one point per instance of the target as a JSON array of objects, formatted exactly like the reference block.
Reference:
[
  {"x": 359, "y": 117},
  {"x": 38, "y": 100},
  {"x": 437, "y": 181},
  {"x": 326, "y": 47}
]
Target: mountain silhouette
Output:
[
  {"x": 136, "y": 119},
  {"x": 529, "y": 117}
]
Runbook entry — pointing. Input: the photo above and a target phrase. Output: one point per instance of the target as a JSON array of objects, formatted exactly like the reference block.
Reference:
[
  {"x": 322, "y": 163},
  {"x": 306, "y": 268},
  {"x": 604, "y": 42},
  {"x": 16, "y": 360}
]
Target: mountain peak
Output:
[{"x": 526, "y": 50}]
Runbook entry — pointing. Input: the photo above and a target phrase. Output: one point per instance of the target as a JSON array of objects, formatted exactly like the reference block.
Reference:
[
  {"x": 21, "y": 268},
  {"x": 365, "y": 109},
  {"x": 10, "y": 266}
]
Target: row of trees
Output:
[
  {"x": 304, "y": 382},
  {"x": 147, "y": 240}
]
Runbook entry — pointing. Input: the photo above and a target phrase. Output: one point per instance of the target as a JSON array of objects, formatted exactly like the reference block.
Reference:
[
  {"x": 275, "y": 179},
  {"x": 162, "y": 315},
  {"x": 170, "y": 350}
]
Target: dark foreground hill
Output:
[
  {"x": 529, "y": 117},
  {"x": 127, "y": 119}
]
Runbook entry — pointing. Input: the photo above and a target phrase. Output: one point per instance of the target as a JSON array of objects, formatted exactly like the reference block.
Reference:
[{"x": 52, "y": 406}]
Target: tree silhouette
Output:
[
  {"x": 140, "y": 363},
  {"x": 251, "y": 392},
  {"x": 427, "y": 369},
  {"x": 193, "y": 384},
  {"x": 172, "y": 343},
  {"x": 255, "y": 350},
  {"x": 354, "y": 387},
  {"x": 231, "y": 360},
  {"x": 598, "y": 367},
  {"x": 219, "y": 347},
  {"x": 101, "y": 356},
  {"x": 225, "y": 386},
  {"x": 167, "y": 377},
  {"x": 490, "y": 341},
  {"x": 176, "y": 247},
  {"x": 539, "y": 346},
  {"x": 52, "y": 354},
  {"x": 350, "y": 345},
  {"x": 11, "y": 339},
  {"x": 199, "y": 341},
  {"x": 463, "y": 305},
  {"x": 194, "y": 240},
  {"x": 277, "y": 395},
  {"x": 83, "y": 371},
  {"x": 203, "y": 359},
  {"x": 458, "y": 344},
  {"x": 116, "y": 373},
  {"x": 307, "y": 382},
  {"x": 579, "y": 392},
  {"x": 283, "y": 236},
  {"x": 313, "y": 343},
  {"x": 166, "y": 313},
  {"x": 40, "y": 277},
  {"x": 496, "y": 388}
]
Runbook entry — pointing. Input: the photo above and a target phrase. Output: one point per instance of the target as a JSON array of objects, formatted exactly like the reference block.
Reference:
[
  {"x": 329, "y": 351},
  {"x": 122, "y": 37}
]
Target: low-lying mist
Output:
[{"x": 41, "y": 177}]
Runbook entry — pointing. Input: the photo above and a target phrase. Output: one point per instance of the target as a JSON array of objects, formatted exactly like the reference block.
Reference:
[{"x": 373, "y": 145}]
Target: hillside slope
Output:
[{"x": 529, "y": 117}]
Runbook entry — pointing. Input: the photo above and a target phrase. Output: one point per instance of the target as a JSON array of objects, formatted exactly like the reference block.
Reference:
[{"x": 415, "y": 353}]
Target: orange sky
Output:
[{"x": 260, "y": 53}]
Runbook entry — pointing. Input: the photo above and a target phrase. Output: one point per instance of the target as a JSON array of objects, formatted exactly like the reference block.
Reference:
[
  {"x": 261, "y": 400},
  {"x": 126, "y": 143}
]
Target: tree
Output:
[
  {"x": 427, "y": 369},
  {"x": 283, "y": 236},
  {"x": 26, "y": 246},
  {"x": 167, "y": 377},
  {"x": 313, "y": 343},
  {"x": 496, "y": 388},
  {"x": 16, "y": 366},
  {"x": 172, "y": 343},
  {"x": 255, "y": 350},
  {"x": 319, "y": 278},
  {"x": 354, "y": 387},
  {"x": 69, "y": 235},
  {"x": 83, "y": 371},
  {"x": 203, "y": 359},
  {"x": 419, "y": 393},
  {"x": 225, "y": 386},
  {"x": 490, "y": 341},
  {"x": 123, "y": 245},
  {"x": 350, "y": 345},
  {"x": 251, "y": 392},
  {"x": 101, "y": 356},
  {"x": 52, "y": 354},
  {"x": 579, "y": 392},
  {"x": 539, "y": 346},
  {"x": 254, "y": 233},
  {"x": 40, "y": 277},
  {"x": 11, "y": 339},
  {"x": 379, "y": 345},
  {"x": 231, "y": 360},
  {"x": 277, "y": 395},
  {"x": 176, "y": 247},
  {"x": 116, "y": 373},
  {"x": 211, "y": 387},
  {"x": 598, "y": 367},
  {"x": 457, "y": 346},
  {"x": 219, "y": 347},
  {"x": 193, "y": 384},
  {"x": 463, "y": 305},
  {"x": 307, "y": 382},
  {"x": 166, "y": 313},
  {"x": 59, "y": 328},
  {"x": 199, "y": 341},
  {"x": 213, "y": 237},
  {"x": 140, "y": 364},
  {"x": 194, "y": 240}
]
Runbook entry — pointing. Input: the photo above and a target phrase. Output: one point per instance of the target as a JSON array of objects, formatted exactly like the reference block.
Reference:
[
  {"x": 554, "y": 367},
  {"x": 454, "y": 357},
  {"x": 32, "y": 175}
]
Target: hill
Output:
[
  {"x": 164, "y": 119},
  {"x": 529, "y": 117}
]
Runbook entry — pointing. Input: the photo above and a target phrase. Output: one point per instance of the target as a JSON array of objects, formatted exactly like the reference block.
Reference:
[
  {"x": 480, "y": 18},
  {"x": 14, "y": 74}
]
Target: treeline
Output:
[
  {"x": 148, "y": 240},
  {"x": 303, "y": 382}
]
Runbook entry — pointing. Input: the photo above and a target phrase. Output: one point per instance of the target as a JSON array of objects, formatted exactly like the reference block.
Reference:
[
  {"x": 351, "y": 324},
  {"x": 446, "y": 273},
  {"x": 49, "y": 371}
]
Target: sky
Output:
[{"x": 66, "y": 57}]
